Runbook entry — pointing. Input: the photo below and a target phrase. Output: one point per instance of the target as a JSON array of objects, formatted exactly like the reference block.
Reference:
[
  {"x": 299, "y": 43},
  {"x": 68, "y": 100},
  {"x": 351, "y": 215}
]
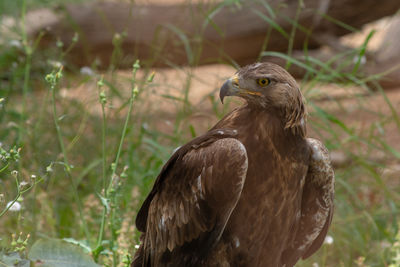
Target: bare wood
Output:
[
  {"x": 181, "y": 34},
  {"x": 382, "y": 64},
  {"x": 387, "y": 58}
]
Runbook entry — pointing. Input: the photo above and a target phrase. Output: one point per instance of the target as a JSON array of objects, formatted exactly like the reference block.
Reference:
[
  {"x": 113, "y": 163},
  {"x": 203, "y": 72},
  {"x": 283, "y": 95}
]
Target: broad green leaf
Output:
[
  {"x": 58, "y": 253},
  {"x": 13, "y": 260},
  {"x": 78, "y": 243}
]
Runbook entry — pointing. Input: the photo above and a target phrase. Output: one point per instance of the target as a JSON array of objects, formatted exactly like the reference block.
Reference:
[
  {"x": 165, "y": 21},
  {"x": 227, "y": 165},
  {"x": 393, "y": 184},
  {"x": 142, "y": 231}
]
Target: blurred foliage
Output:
[{"x": 13, "y": 8}]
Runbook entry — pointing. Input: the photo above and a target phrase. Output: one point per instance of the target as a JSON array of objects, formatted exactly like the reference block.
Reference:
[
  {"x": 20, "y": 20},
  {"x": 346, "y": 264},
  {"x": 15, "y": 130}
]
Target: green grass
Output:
[{"x": 81, "y": 169}]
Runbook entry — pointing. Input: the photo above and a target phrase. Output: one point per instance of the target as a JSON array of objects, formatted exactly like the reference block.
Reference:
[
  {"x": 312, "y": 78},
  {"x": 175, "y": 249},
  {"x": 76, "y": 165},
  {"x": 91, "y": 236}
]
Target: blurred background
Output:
[{"x": 85, "y": 127}]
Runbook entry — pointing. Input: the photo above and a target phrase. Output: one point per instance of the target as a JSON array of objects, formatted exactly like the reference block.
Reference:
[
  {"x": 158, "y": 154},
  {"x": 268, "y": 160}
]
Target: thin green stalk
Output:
[
  {"x": 293, "y": 32},
  {"x": 103, "y": 136},
  {"x": 52, "y": 79},
  {"x": 27, "y": 72},
  {"x": 134, "y": 93},
  {"x": 133, "y": 96},
  {"x": 28, "y": 52},
  {"x": 103, "y": 102},
  {"x": 109, "y": 189},
  {"x": 363, "y": 50},
  {"x": 27, "y": 69},
  {"x": 14, "y": 200},
  {"x": 74, "y": 40},
  {"x": 5, "y": 167},
  {"x": 393, "y": 110},
  {"x": 19, "y": 193}
]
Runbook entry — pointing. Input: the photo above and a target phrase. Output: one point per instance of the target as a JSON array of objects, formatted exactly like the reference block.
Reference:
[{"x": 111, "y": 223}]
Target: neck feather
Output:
[{"x": 296, "y": 115}]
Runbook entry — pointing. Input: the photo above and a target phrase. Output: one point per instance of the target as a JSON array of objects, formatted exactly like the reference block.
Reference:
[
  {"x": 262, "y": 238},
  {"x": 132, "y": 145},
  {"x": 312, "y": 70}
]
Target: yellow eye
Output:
[{"x": 263, "y": 81}]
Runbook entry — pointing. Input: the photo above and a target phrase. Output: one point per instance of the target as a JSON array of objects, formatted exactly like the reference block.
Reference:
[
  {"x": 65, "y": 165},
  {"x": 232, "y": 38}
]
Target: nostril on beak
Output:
[{"x": 235, "y": 82}]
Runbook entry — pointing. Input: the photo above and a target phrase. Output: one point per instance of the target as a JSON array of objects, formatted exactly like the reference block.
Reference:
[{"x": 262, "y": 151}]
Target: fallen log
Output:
[{"x": 165, "y": 35}]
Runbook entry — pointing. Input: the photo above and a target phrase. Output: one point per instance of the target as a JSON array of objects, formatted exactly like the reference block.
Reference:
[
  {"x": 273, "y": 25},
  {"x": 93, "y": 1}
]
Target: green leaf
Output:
[
  {"x": 105, "y": 202},
  {"x": 58, "y": 253},
  {"x": 81, "y": 244},
  {"x": 13, "y": 259},
  {"x": 185, "y": 41},
  {"x": 272, "y": 23}
]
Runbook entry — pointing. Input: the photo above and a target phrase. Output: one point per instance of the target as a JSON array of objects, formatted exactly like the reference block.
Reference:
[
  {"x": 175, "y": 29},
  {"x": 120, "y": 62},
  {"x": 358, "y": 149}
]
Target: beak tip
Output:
[{"x": 224, "y": 91}]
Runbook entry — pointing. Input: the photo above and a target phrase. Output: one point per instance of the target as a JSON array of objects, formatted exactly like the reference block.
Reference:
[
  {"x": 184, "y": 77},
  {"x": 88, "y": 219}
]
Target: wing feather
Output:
[
  {"x": 195, "y": 197},
  {"x": 316, "y": 207}
]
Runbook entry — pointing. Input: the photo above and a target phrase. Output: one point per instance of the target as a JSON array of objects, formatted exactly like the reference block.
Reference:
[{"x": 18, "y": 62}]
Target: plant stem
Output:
[
  {"x": 19, "y": 193},
  {"x": 134, "y": 93},
  {"x": 103, "y": 140},
  {"x": 14, "y": 200},
  {"x": 109, "y": 189},
  {"x": 67, "y": 167},
  {"x": 5, "y": 167},
  {"x": 27, "y": 69},
  {"x": 293, "y": 32}
]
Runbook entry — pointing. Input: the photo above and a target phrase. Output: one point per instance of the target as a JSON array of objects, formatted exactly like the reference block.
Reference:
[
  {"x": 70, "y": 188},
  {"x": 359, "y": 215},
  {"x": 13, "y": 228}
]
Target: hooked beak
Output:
[{"x": 229, "y": 88}]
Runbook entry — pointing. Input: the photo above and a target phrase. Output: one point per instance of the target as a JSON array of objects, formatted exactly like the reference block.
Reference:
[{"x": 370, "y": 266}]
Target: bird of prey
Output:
[{"x": 252, "y": 191}]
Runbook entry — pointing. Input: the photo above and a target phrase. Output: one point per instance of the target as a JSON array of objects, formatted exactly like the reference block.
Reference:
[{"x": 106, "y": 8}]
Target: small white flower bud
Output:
[
  {"x": 16, "y": 206},
  {"x": 328, "y": 240}
]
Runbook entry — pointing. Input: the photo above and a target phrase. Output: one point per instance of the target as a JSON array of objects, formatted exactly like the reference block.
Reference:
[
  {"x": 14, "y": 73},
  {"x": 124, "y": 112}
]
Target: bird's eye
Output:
[{"x": 263, "y": 81}]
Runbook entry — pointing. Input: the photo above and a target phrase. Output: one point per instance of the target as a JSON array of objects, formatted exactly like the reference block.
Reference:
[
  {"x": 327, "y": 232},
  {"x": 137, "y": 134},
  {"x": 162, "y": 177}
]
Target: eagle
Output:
[{"x": 252, "y": 191}]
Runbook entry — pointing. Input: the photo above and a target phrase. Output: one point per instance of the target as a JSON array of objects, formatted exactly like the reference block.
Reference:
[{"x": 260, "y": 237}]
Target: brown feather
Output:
[{"x": 253, "y": 191}]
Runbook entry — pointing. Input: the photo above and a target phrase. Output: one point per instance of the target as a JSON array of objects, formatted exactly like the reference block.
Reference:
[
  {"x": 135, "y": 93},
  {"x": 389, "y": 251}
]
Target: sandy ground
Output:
[{"x": 160, "y": 98}]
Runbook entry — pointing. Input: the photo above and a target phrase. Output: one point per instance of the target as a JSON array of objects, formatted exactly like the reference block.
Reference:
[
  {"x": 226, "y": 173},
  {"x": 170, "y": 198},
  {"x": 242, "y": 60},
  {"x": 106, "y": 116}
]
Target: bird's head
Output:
[{"x": 268, "y": 86}]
